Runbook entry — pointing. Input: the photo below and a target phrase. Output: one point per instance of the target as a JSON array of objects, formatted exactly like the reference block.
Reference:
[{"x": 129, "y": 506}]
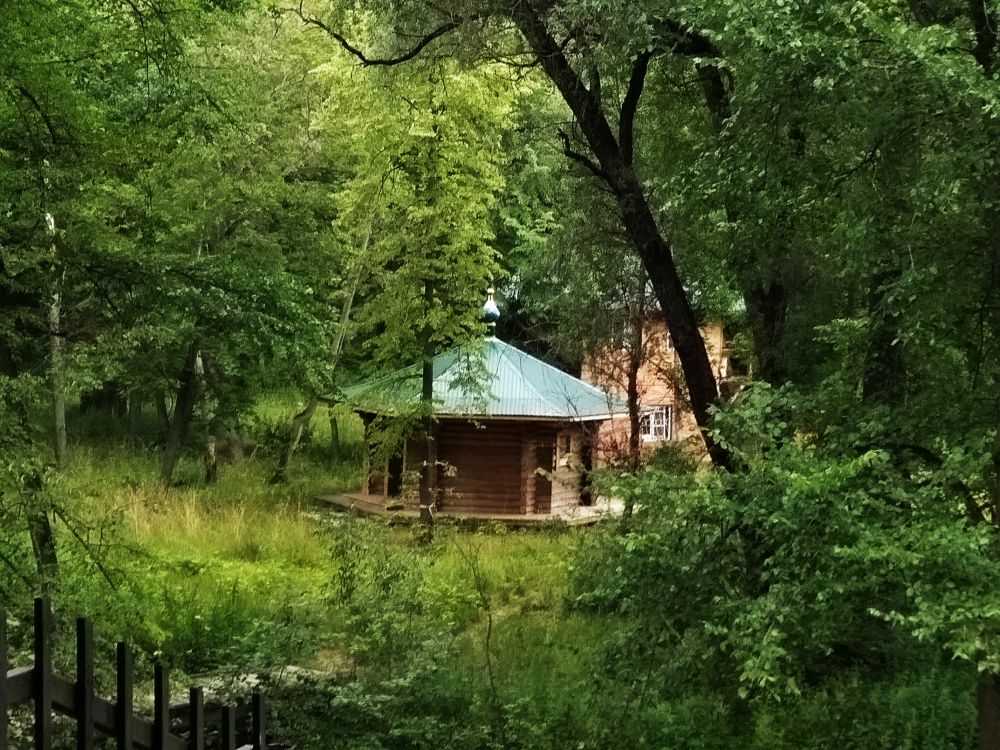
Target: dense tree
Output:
[
  {"x": 557, "y": 37},
  {"x": 200, "y": 202}
]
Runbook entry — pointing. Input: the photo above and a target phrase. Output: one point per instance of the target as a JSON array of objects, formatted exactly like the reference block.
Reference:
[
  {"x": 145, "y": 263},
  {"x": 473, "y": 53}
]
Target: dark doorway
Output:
[
  {"x": 587, "y": 456},
  {"x": 394, "y": 486},
  {"x": 544, "y": 455}
]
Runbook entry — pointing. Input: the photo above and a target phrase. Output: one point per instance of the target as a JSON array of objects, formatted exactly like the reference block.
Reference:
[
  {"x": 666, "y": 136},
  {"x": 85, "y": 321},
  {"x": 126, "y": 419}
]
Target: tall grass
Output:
[
  {"x": 232, "y": 573},
  {"x": 242, "y": 573}
]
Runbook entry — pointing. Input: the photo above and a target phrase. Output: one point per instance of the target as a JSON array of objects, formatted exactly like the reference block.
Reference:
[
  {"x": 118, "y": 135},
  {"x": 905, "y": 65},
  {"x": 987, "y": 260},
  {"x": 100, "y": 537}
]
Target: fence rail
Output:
[{"x": 51, "y": 693}]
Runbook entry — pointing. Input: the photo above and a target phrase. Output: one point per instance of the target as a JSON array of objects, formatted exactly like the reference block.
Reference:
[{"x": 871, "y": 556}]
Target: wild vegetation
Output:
[{"x": 214, "y": 214}]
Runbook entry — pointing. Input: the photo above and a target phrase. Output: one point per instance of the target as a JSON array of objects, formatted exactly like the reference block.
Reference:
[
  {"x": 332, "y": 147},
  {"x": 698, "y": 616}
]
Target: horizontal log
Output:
[
  {"x": 19, "y": 685},
  {"x": 509, "y": 484},
  {"x": 64, "y": 701},
  {"x": 481, "y": 508}
]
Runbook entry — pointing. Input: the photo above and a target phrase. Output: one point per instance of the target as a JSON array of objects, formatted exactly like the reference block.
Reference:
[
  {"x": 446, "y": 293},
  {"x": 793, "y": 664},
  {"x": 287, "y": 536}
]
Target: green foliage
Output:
[
  {"x": 181, "y": 178},
  {"x": 784, "y": 582}
]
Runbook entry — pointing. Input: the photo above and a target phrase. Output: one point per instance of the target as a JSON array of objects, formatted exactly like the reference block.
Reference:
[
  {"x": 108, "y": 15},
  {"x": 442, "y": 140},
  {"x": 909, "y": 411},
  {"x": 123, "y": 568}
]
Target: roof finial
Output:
[{"x": 491, "y": 314}]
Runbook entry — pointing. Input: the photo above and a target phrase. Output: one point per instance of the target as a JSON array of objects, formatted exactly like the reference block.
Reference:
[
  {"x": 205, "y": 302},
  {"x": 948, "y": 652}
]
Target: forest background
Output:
[{"x": 215, "y": 214}]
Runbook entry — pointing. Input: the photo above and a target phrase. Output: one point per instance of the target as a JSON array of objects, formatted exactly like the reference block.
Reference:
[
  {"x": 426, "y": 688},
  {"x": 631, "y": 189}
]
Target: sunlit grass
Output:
[
  {"x": 241, "y": 517},
  {"x": 522, "y": 570},
  {"x": 245, "y": 564}
]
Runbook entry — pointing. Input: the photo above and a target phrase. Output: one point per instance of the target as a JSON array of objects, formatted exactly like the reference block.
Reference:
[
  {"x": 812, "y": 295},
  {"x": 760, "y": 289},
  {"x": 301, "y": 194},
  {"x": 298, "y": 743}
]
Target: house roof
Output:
[{"x": 491, "y": 379}]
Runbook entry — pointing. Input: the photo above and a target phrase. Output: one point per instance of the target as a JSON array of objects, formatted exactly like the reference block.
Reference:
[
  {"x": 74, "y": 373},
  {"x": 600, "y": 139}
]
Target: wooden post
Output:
[
  {"x": 528, "y": 464},
  {"x": 428, "y": 469},
  {"x": 228, "y": 728},
  {"x": 259, "y": 739},
  {"x": 334, "y": 437},
  {"x": 42, "y": 675},
  {"x": 161, "y": 707},
  {"x": 123, "y": 717},
  {"x": 196, "y": 713},
  {"x": 4, "y": 698},
  {"x": 84, "y": 685}
]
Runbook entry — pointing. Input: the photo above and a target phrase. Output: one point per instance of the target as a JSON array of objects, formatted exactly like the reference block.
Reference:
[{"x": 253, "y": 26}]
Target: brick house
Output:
[{"x": 653, "y": 371}]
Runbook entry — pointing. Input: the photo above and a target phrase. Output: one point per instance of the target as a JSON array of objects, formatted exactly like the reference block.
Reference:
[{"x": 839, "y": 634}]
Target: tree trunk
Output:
[
  {"x": 43, "y": 545},
  {"x": 334, "y": 437},
  {"x": 634, "y": 415},
  {"x": 766, "y": 309},
  {"x": 634, "y": 428},
  {"x": 160, "y": 400},
  {"x": 211, "y": 459},
  {"x": 301, "y": 420},
  {"x": 636, "y": 356},
  {"x": 884, "y": 376},
  {"x": 43, "y": 540},
  {"x": 56, "y": 346},
  {"x": 988, "y": 718},
  {"x": 208, "y": 377},
  {"x": 56, "y": 377},
  {"x": 993, "y": 482},
  {"x": 299, "y": 423},
  {"x": 637, "y": 217},
  {"x": 187, "y": 395},
  {"x": 428, "y": 467}
]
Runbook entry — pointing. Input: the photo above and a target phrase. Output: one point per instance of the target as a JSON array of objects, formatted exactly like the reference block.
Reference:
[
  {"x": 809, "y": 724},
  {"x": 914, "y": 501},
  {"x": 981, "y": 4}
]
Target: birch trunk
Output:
[
  {"x": 187, "y": 395},
  {"x": 428, "y": 468},
  {"x": 56, "y": 378},
  {"x": 301, "y": 420},
  {"x": 56, "y": 345}
]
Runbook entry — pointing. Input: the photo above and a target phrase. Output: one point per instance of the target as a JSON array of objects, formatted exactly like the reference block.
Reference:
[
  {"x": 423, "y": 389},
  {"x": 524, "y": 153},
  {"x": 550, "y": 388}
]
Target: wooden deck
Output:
[{"x": 373, "y": 505}]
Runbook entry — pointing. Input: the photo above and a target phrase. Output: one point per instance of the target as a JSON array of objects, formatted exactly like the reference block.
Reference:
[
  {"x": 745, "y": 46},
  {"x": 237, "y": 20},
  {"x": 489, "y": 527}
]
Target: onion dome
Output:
[{"x": 491, "y": 313}]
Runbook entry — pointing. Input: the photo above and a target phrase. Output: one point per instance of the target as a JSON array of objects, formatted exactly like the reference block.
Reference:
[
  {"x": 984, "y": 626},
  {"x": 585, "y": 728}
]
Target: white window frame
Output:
[{"x": 657, "y": 423}]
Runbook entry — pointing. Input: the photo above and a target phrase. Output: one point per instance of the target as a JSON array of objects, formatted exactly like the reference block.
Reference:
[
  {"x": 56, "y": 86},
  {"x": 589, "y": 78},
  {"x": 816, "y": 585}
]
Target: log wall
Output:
[
  {"x": 499, "y": 467},
  {"x": 484, "y": 466}
]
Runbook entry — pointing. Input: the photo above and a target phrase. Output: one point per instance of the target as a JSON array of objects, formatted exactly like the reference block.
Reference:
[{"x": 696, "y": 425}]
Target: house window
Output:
[{"x": 655, "y": 424}]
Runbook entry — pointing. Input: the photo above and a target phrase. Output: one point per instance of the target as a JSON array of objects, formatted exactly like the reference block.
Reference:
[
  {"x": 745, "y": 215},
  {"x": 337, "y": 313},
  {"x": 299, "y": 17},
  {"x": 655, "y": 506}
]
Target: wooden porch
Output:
[{"x": 375, "y": 505}]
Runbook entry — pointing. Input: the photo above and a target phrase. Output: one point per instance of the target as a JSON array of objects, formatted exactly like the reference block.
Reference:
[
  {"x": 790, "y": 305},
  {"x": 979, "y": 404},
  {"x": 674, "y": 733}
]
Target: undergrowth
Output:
[{"x": 367, "y": 636}]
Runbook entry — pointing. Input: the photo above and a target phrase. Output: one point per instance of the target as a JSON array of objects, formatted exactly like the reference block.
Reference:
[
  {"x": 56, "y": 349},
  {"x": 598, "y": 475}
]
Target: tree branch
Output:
[
  {"x": 579, "y": 158},
  {"x": 384, "y": 61},
  {"x": 715, "y": 81},
  {"x": 626, "y": 122},
  {"x": 49, "y": 126},
  {"x": 984, "y": 22},
  {"x": 586, "y": 107},
  {"x": 686, "y": 41}
]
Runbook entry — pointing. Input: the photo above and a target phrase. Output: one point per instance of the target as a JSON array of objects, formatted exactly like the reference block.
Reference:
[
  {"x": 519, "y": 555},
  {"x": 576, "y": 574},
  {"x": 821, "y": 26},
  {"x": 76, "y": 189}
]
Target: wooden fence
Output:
[{"x": 51, "y": 693}]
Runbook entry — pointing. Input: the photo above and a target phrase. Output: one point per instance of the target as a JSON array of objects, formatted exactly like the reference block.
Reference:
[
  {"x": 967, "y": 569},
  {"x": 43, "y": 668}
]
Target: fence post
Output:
[
  {"x": 4, "y": 699},
  {"x": 123, "y": 702},
  {"x": 259, "y": 740},
  {"x": 196, "y": 709},
  {"x": 84, "y": 685},
  {"x": 228, "y": 728},
  {"x": 161, "y": 707},
  {"x": 51, "y": 692},
  {"x": 41, "y": 676}
]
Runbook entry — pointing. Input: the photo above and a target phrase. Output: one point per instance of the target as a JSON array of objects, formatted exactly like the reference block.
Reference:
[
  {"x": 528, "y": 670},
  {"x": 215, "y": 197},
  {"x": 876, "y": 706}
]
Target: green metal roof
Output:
[{"x": 493, "y": 379}]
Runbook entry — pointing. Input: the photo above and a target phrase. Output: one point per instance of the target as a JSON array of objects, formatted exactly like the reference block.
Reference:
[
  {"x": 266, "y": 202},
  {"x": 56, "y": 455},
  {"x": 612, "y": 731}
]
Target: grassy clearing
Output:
[
  {"x": 466, "y": 642},
  {"x": 243, "y": 572},
  {"x": 246, "y": 575},
  {"x": 241, "y": 517}
]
